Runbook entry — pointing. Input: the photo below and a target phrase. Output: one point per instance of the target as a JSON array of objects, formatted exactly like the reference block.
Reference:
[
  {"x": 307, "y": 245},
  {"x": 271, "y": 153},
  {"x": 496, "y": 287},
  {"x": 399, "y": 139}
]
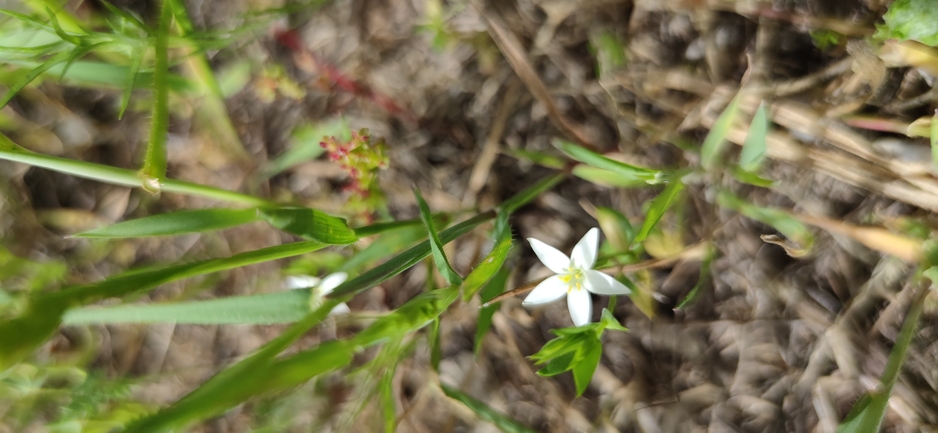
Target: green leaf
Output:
[
  {"x": 910, "y": 19},
  {"x": 608, "y": 321},
  {"x": 31, "y": 75},
  {"x": 405, "y": 260},
  {"x": 256, "y": 374},
  {"x": 385, "y": 245},
  {"x": 439, "y": 257},
  {"x": 310, "y": 224},
  {"x": 616, "y": 227},
  {"x": 21, "y": 335},
  {"x": 750, "y": 159},
  {"x": 530, "y": 193},
  {"x": 702, "y": 281},
  {"x": 867, "y": 414},
  {"x": 584, "y": 369},
  {"x": 175, "y": 223},
  {"x": 492, "y": 262},
  {"x": 416, "y": 313},
  {"x": 626, "y": 171},
  {"x": 106, "y": 75},
  {"x": 436, "y": 350},
  {"x": 135, "y": 61},
  {"x": 484, "y": 412},
  {"x": 539, "y": 158},
  {"x": 117, "y": 176},
  {"x": 558, "y": 365},
  {"x": 493, "y": 288},
  {"x": 716, "y": 138},
  {"x": 270, "y": 308},
  {"x": 304, "y": 144},
  {"x": 750, "y": 178},
  {"x": 780, "y": 220},
  {"x": 658, "y": 207},
  {"x": 606, "y": 178}
]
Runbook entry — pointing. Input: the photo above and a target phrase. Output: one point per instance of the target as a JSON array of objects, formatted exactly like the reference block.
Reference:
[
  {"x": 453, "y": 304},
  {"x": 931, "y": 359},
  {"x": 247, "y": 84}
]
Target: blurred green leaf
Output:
[
  {"x": 305, "y": 144},
  {"x": 583, "y": 370},
  {"x": 270, "y": 308},
  {"x": 386, "y": 245},
  {"x": 606, "y": 178},
  {"x": 868, "y": 412},
  {"x": 492, "y": 262},
  {"x": 910, "y": 19},
  {"x": 716, "y": 138},
  {"x": 780, "y": 220},
  {"x": 436, "y": 349},
  {"x": 484, "y": 412},
  {"x": 539, "y": 158},
  {"x": 436, "y": 247},
  {"x": 175, "y": 223},
  {"x": 310, "y": 224},
  {"x": 616, "y": 227},
  {"x": 256, "y": 374},
  {"x": 38, "y": 70},
  {"x": 626, "y": 171},
  {"x": 416, "y": 313},
  {"x": 136, "y": 60},
  {"x": 21, "y": 335},
  {"x": 750, "y": 159},
  {"x": 520, "y": 199},
  {"x": 658, "y": 207},
  {"x": 494, "y": 287},
  {"x": 750, "y": 177}
]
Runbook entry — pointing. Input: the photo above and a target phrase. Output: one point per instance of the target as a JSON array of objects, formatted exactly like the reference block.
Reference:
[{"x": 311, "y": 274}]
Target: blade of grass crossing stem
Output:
[
  {"x": 154, "y": 164},
  {"x": 175, "y": 223},
  {"x": 627, "y": 171},
  {"x": 439, "y": 257},
  {"x": 384, "y": 246},
  {"x": 522, "y": 198},
  {"x": 868, "y": 412},
  {"x": 493, "y": 288},
  {"x": 484, "y": 412},
  {"x": 753, "y": 153},
  {"x": 493, "y": 261},
  {"x": 933, "y": 137},
  {"x": 780, "y": 220},
  {"x": 658, "y": 207},
  {"x": 135, "y": 62},
  {"x": 21, "y": 335},
  {"x": 312, "y": 224},
  {"x": 416, "y": 313},
  {"x": 32, "y": 75},
  {"x": 248, "y": 377},
  {"x": 269, "y": 308},
  {"x": 716, "y": 138},
  {"x": 117, "y": 176},
  {"x": 405, "y": 260}
]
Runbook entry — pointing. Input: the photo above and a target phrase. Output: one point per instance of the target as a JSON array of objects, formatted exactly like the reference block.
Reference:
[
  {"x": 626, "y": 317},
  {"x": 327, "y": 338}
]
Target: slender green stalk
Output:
[{"x": 154, "y": 164}]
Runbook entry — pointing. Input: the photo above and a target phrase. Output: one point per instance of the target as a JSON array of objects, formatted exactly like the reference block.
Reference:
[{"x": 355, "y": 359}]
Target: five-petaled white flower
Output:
[
  {"x": 575, "y": 277},
  {"x": 320, "y": 287}
]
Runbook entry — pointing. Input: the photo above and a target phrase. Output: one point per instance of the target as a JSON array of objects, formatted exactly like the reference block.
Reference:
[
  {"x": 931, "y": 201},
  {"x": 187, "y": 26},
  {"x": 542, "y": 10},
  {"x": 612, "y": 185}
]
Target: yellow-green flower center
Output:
[{"x": 573, "y": 277}]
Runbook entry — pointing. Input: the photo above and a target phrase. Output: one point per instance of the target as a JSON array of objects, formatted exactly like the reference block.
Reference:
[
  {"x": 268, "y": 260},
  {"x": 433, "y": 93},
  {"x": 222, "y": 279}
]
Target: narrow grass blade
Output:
[
  {"x": 258, "y": 373},
  {"x": 405, "y": 260},
  {"x": 606, "y": 178},
  {"x": 107, "y": 75},
  {"x": 626, "y": 171},
  {"x": 492, "y": 262},
  {"x": 539, "y": 158},
  {"x": 135, "y": 61},
  {"x": 385, "y": 245},
  {"x": 176, "y": 223},
  {"x": 716, "y": 138},
  {"x": 868, "y": 412},
  {"x": 493, "y": 288},
  {"x": 38, "y": 70},
  {"x": 750, "y": 177},
  {"x": 270, "y": 308},
  {"x": 780, "y": 220},
  {"x": 436, "y": 247},
  {"x": 310, "y": 224},
  {"x": 416, "y": 313},
  {"x": 484, "y": 412},
  {"x": 304, "y": 144},
  {"x": 383, "y": 227},
  {"x": 658, "y": 207},
  {"x": 21, "y": 335},
  {"x": 436, "y": 351},
  {"x": 530, "y": 193},
  {"x": 154, "y": 163},
  {"x": 117, "y": 176},
  {"x": 753, "y": 153}
]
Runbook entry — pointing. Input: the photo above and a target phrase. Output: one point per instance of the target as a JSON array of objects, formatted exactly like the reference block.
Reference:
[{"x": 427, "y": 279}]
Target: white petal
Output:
[
  {"x": 550, "y": 257},
  {"x": 340, "y": 309},
  {"x": 549, "y": 290},
  {"x": 332, "y": 281},
  {"x": 581, "y": 307},
  {"x": 603, "y": 284},
  {"x": 301, "y": 282},
  {"x": 584, "y": 253}
]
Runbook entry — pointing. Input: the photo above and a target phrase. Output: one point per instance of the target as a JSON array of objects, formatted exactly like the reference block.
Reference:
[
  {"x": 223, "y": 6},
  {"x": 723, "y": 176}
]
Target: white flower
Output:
[
  {"x": 321, "y": 287},
  {"x": 575, "y": 277}
]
